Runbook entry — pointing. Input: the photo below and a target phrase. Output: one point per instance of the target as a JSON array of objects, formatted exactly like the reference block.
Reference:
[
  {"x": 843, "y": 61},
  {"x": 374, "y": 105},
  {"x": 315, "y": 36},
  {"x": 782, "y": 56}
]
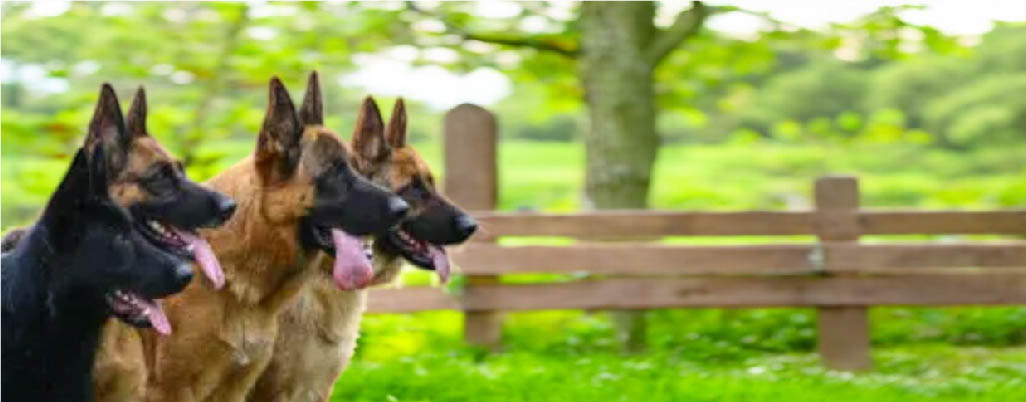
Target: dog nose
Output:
[
  {"x": 397, "y": 207},
  {"x": 466, "y": 225},
  {"x": 182, "y": 275},
  {"x": 225, "y": 208}
]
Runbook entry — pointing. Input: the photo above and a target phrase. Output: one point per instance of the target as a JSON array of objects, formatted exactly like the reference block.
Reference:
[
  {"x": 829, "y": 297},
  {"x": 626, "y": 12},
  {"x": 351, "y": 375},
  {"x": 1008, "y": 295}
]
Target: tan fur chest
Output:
[{"x": 249, "y": 341}]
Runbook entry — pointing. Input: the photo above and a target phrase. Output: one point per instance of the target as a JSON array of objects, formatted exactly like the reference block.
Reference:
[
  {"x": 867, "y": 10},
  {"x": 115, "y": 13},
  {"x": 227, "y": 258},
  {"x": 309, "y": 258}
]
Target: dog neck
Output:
[
  {"x": 43, "y": 274},
  {"x": 259, "y": 251},
  {"x": 27, "y": 274},
  {"x": 51, "y": 326},
  {"x": 386, "y": 267}
]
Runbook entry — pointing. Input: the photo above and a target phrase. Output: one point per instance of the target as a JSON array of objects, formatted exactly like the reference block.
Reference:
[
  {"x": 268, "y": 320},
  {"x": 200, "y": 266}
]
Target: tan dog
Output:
[
  {"x": 318, "y": 334},
  {"x": 297, "y": 195}
]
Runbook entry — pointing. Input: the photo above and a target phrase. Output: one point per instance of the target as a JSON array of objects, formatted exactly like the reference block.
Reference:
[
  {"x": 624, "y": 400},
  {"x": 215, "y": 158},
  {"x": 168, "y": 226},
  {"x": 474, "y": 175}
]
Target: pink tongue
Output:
[
  {"x": 352, "y": 269},
  {"x": 157, "y": 317},
  {"x": 205, "y": 257},
  {"x": 441, "y": 262}
]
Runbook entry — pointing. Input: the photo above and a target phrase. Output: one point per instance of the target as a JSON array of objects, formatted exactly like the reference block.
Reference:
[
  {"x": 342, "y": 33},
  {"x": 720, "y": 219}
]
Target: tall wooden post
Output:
[
  {"x": 471, "y": 179},
  {"x": 843, "y": 330}
]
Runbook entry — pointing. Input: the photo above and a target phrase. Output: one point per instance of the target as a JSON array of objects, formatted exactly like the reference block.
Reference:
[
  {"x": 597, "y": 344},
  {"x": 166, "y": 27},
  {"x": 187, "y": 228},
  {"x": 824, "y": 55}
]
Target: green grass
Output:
[
  {"x": 696, "y": 355},
  {"x": 905, "y": 375}
]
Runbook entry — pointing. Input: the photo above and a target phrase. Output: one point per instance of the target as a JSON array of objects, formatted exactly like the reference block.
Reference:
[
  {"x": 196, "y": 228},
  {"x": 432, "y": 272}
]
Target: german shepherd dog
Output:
[
  {"x": 298, "y": 195},
  {"x": 318, "y": 334},
  {"x": 100, "y": 248}
]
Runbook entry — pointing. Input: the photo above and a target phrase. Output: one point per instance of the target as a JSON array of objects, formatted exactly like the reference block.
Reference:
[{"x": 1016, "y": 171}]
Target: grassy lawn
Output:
[
  {"x": 699, "y": 355},
  {"x": 906, "y": 374}
]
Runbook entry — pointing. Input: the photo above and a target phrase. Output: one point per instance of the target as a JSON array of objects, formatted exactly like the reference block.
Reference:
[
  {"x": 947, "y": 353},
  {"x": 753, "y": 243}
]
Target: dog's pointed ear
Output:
[
  {"x": 107, "y": 128},
  {"x": 396, "y": 133},
  {"x": 135, "y": 122},
  {"x": 98, "y": 178},
  {"x": 278, "y": 146},
  {"x": 311, "y": 113},
  {"x": 369, "y": 133},
  {"x": 74, "y": 189}
]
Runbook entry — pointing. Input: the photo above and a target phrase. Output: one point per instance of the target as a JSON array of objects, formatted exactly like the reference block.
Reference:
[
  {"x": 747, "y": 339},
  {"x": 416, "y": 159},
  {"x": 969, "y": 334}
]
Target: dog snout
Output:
[
  {"x": 466, "y": 225},
  {"x": 225, "y": 209},
  {"x": 397, "y": 207}
]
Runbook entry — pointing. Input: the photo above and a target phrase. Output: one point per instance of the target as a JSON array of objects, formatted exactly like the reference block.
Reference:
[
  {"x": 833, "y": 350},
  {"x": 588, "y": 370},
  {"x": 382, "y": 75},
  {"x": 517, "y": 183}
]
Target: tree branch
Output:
[
  {"x": 534, "y": 42},
  {"x": 685, "y": 26},
  {"x": 524, "y": 41}
]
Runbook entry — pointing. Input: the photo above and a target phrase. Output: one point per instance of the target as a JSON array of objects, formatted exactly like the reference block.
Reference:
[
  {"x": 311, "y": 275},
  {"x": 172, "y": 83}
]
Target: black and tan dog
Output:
[
  {"x": 90, "y": 256},
  {"x": 318, "y": 334},
  {"x": 299, "y": 195}
]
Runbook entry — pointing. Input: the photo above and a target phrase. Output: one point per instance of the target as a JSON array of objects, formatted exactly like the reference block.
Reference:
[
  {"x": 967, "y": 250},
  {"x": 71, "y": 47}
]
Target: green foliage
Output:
[
  {"x": 904, "y": 86},
  {"x": 1002, "y": 48},
  {"x": 800, "y": 91},
  {"x": 204, "y": 65},
  {"x": 880, "y": 36},
  {"x": 823, "y": 89},
  {"x": 520, "y": 116},
  {"x": 990, "y": 110}
]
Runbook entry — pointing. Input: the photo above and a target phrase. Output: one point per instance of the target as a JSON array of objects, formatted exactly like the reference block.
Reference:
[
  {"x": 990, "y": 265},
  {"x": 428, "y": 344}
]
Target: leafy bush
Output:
[{"x": 990, "y": 110}]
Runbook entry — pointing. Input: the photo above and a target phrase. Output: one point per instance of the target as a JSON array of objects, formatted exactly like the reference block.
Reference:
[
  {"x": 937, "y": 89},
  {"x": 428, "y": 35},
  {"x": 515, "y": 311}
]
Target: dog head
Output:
[
  {"x": 308, "y": 174},
  {"x": 433, "y": 221},
  {"x": 151, "y": 185},
  {"x": 99, "y": 246}
]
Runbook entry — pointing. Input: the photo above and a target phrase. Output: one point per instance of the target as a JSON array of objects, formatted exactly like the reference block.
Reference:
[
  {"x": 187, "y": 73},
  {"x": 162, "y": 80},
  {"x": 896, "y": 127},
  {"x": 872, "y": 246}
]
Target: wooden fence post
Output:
[
  {"x": 471, "y": 179},
  {"x": 843, "y": 330}
]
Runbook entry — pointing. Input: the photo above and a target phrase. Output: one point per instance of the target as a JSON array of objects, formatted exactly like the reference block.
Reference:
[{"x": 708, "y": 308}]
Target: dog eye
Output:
[
  {"x": 161, "y": 183},
  {"x": 415, "y": 191},
  {"x": 163, "y": 180},
  {"x": 339, "y": 176},
  {"x": 425, "y": 184}
]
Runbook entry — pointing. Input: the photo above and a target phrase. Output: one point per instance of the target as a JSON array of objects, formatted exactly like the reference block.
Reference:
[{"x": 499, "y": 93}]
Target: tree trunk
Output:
[{"x": 621, "y": 141}]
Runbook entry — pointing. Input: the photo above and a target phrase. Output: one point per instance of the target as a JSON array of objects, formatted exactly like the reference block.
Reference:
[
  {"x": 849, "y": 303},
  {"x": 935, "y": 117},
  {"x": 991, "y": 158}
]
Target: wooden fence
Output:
[{"x": 836, "y": 274}]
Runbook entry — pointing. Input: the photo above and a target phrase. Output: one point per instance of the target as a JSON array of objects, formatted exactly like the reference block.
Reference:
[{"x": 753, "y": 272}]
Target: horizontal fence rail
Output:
[
  {"x": 883, "y": 257},
  {"x": 638, "y": 259},
  {"x": 651, "y": 259},
  {"x": 770, "y": 223},
  {"x": 647, "y": 293},
  {"x": 1010, "y": 222},
  {"x": 646, "y": 223}
]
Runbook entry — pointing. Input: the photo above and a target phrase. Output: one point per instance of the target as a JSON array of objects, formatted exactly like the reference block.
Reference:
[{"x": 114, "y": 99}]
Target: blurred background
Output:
[{"x": 730, "y": 106}]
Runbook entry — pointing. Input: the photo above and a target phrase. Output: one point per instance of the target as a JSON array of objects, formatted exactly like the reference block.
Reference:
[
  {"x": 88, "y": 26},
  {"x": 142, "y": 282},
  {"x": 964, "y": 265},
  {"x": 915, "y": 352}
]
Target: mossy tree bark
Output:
[{"x": 621, "y": 141}]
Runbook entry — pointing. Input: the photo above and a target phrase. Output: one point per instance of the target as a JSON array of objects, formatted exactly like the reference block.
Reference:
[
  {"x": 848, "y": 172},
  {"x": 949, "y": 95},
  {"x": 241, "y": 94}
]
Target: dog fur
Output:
[{"x": 317, "y": 335}]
